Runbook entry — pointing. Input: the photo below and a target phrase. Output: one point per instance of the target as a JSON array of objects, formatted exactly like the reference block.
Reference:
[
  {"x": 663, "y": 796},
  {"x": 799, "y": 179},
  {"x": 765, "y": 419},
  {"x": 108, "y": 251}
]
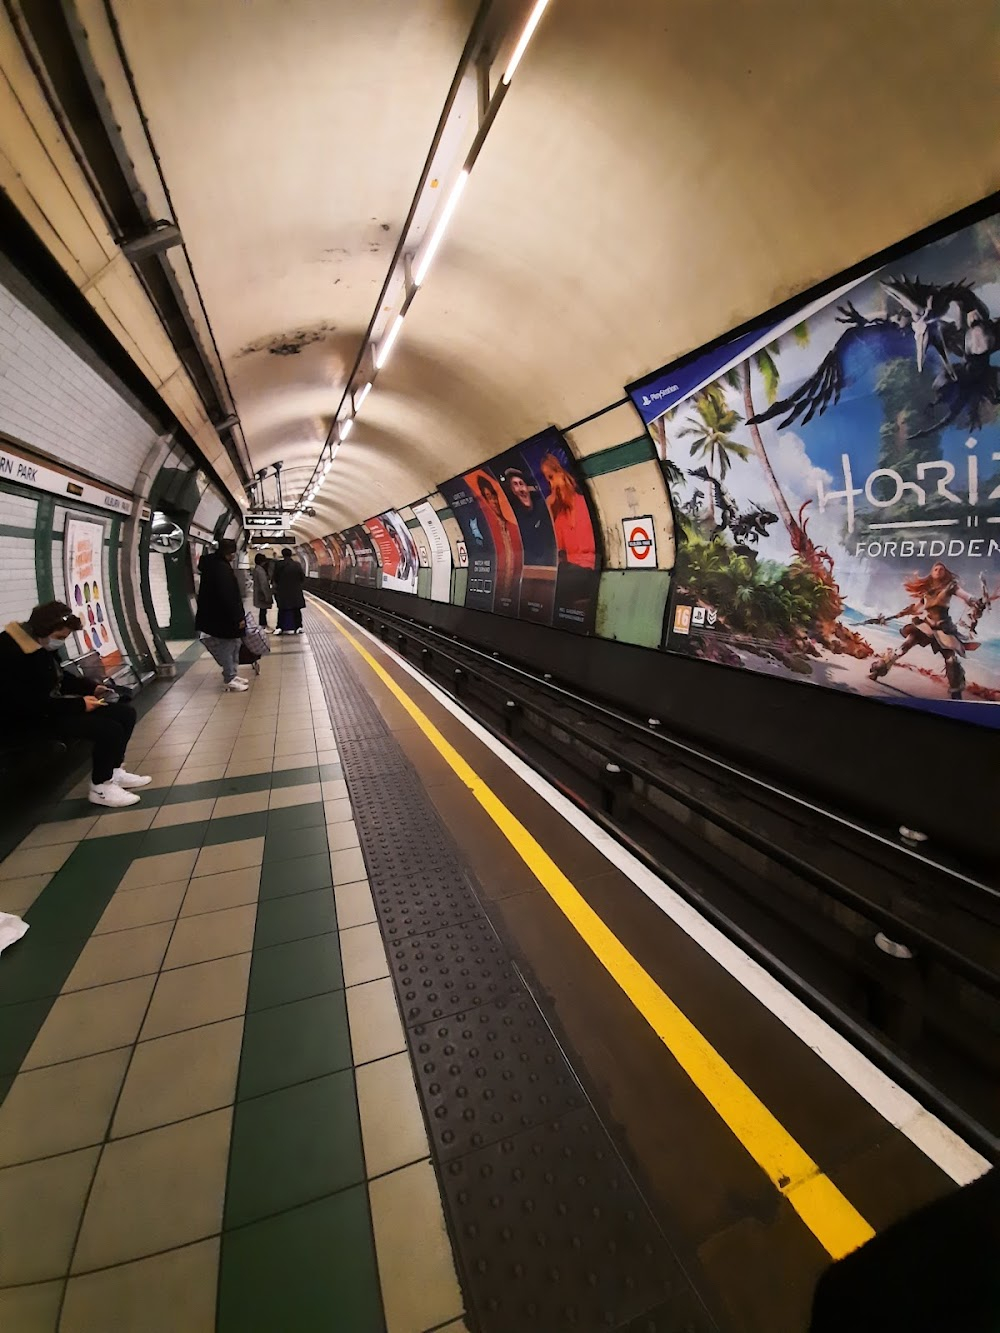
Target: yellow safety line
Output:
[{"x": 832, "y": 1219}]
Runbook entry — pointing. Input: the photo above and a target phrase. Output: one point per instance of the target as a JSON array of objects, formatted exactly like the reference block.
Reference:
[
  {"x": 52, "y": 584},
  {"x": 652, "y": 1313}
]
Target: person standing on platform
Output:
[
  {"x": 263, "y": 599},
  {"x": 220, "y": 617},
  {"x": 288, "y": 581}
]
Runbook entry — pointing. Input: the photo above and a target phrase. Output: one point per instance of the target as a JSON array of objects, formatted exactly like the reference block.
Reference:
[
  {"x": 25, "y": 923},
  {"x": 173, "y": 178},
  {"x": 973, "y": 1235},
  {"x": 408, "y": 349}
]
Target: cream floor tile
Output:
[
  {"x": 60, "y": 1108},
  {"x": 392, "y": 1123},
  {"x": 348, "y": 866},
  {"x": 363, "y": 955},
  {"x": 342, "y": 836},
  {"x": 304, "y": 793},
  {"x": 334, "y": 790},
  {"x": 355, "y": 905},
  {"x": 197, "y": 939},
  {"x": 35, "y": 861},
  {"x": 416, "y": 1269},
  {"x": 253, "y": 747},
  {"x": 245, "y": 803},
  {"x": 173, "y": 1292},
  {"x": 142, "y": 907},
  {"x": 203, "y": 993},
  {"x": 201, "y": 773},
  {"x": 180, "y": 1075},
  {"x": 163, "y": 868},
  {"x": 229, "y": 856},
  {"x": 166, "y": 754},
  {"x": 326, "y": 756},
  {"x": 258, "y": 725},
  {"x": 89, "y": 1021},
  {"x": 376, "y": 1027},
  {"x": 214, "y": 893},
  {"x": 338, "y": 811},
  {"x": 112, "y": 823},
  {"x": 162, "y": 775},
  {"x": 58, "y": 830},
  {"x": 300, "y": 760},
  {"x": 17, "y": 895},
  {"x": 244, "y": 768},
  {"x": 183, "y": 812},
  {"x": 33, "y": 1309},
  {"x": 118, "y": 956},
  {"x": 135, "y": 1208},
  {"x": 46, "y": 1198},
  {"x": 294, "y": 742}
]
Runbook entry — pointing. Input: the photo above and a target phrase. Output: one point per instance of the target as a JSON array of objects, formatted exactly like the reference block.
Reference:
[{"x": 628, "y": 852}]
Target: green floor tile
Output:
[
  {"x": 292, "y": 1146},
  {"x": 295, "y": 917},
  {"x": 19, "y": 1024},
  {"x": 311, "y": 1270},
  {"x": 328, "y": 772},
  {"x": 176, "y": 838},
  {"x": 299, "y": 874},
  {"x": 193, "y": 791},
  {"x": 295, "y": 777},
  {"x": 236, "y": 828},
  {"x": 283, "y": 844},
  {"x": 296, "y": 817},
  {"x": 37, "y": 966},
  {"x": 287, "y": 972},
  {"x": 293, "y": 1043}
]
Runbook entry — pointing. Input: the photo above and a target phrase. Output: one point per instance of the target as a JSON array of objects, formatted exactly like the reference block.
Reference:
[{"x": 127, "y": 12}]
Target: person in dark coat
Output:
[
  {"x": 288, "y": 581},
  {"x": 263, "y": 599},
  {"x": 220, "y": 618},
  {"x": 46, "y": 701}
]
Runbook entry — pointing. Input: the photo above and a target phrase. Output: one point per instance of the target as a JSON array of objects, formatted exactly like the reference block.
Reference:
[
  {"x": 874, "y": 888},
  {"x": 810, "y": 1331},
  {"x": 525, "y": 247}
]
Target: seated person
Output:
[{"x": 44, "y": 700}]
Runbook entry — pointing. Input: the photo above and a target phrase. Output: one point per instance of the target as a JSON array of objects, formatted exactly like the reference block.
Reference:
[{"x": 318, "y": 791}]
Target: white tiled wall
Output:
[
  {"x": 52, "y": 400},
  {"x": 18, "y": 587}
]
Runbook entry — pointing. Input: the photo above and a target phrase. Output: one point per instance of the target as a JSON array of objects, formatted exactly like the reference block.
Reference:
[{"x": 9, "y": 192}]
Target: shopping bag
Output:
[{"x": 255, "y": 641}]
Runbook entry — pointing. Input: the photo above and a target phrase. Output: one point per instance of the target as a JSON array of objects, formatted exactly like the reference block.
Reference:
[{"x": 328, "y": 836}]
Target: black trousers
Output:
[
  {"x": 262, "y": 616},
  {"x": 108, "y": 728}
]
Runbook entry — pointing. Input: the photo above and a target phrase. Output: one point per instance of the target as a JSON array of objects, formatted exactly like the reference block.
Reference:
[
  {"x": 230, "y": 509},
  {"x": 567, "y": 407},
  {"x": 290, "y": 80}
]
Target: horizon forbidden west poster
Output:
[{"x": 835, "y": 480}]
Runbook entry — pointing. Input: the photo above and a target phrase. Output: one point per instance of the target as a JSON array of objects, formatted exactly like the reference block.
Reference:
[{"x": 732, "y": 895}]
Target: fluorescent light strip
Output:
[
  {"x": 424, "y": 262},
  {"x": 361, "y": 395},
  {"x": 385, "y": 346},
  {"x": 344, "y": 428},
  {"x": 519, "y": 50}
]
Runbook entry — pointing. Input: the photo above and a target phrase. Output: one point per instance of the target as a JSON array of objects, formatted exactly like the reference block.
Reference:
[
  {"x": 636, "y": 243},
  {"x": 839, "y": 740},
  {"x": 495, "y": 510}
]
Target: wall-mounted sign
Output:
[
  {"x": 27, "y": 472},
  {"x": 640, "y": 542}
]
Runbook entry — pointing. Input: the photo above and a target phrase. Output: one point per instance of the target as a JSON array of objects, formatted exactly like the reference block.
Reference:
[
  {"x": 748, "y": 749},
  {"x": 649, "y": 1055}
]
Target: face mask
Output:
[{"x": 52, "y": 644}]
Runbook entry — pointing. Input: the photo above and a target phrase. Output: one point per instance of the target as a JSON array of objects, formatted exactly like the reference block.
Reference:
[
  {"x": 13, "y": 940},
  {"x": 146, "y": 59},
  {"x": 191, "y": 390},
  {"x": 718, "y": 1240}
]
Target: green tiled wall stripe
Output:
[
  {"x": 297, "y": 1243},
  {"x": 62, "y": 920},
  {"x": 619, "y": 456},
  {"x": 44, "y": 516}
]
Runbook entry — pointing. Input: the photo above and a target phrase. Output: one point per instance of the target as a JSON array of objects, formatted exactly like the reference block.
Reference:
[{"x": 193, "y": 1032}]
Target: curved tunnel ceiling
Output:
[{"x": 657, "y": 174}]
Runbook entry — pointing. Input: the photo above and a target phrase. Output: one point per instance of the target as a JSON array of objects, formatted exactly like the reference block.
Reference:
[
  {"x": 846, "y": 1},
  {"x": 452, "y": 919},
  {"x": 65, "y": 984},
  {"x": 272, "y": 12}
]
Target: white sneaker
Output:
[
  {"x": 300, "y": 631},
  {"x": 237, "y": 684},
  {"x": 110, "y": 794},
  {"x": 277, "y": 632},
  {"x": 122, "y": 778}
]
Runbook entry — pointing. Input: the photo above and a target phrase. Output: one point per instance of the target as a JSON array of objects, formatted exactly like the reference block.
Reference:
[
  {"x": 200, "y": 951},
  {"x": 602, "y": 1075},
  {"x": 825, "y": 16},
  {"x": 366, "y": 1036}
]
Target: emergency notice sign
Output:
[{"x": 640, "y": 542}]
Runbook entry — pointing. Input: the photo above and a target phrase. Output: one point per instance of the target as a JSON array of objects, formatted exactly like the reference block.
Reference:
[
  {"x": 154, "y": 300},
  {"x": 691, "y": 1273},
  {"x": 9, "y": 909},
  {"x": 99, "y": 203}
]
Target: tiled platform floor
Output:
[{"x": 208, "y": 1116}]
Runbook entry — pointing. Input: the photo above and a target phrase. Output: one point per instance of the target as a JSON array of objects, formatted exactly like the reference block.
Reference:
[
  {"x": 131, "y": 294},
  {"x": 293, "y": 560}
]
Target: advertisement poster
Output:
[
  {"x": 363, "y": 553},
  {"x": 538, "y": 540},
  {"x": 396, "y": 551},
  {"x": 554, "y": 471},
  {"x": 508, "y": 555},
  {"x": 836, "y": 484},
  {"x": 439, "y": 550},
  {"x": 464, "y": 504},
  {"x": 83, "y": 545}
]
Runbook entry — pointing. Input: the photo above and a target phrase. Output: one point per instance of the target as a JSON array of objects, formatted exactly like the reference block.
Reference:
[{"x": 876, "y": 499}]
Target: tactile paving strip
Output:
[
  {"x": 489, "y": 1073},
  {"x": 550, "y": 1233}
]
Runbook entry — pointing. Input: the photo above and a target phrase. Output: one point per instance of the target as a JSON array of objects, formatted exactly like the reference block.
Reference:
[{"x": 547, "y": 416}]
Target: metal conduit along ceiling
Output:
[{"x": 657, "y": 174}]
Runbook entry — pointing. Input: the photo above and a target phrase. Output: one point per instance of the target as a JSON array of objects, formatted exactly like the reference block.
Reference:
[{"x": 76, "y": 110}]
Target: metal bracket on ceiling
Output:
[
  {"x": 160, "y": 237},
  {"x": 484, "y": 63}
]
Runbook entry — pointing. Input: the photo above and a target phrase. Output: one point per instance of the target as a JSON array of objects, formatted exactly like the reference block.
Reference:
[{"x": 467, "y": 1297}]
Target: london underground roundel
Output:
[{"x": 640, "y": 542}]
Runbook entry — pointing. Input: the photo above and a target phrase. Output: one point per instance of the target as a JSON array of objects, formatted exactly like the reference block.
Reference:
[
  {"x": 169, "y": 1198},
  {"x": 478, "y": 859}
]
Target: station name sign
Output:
[{"x": 29, "y": 472}]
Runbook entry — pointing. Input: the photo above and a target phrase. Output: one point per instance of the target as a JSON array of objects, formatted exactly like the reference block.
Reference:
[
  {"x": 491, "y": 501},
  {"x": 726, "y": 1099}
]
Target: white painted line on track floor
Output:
[{"x": 940, "y": 1144}]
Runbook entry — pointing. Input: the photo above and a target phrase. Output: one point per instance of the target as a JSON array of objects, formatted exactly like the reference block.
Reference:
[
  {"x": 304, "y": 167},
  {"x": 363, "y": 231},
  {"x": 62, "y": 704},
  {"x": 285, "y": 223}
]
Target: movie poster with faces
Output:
[
  {"x": 463, "y": 501},
  {"x": 363, "y": 553},
  {"x": 83, "y": 547}
]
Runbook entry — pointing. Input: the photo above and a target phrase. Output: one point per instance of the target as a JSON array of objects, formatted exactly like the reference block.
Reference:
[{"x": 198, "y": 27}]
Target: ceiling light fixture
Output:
[
  {"x": 424, "y": 262},
  {"x": 385, "y": 346},
  {"x": 345, "y": 428},
  {"x": 519, "y": 50},
  {"x": 361, "y": 395}
]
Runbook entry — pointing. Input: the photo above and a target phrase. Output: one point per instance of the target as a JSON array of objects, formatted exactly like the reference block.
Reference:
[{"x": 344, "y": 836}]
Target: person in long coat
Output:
[
  {"x": 288, "y": 582},
  {"x": 263, "y": 598}
]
